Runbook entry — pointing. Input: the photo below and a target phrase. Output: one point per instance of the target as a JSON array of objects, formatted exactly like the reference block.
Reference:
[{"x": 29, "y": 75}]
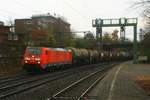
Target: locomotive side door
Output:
[{"x": 46, "y": 57}]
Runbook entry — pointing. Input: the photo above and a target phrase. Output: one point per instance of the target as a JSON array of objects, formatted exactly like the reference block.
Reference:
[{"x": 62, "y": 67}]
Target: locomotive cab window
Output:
[{"x": 35, "y": 51}]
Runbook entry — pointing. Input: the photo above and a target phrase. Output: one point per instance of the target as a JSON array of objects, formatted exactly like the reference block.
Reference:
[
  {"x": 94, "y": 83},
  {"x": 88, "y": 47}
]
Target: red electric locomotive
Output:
[{"x": 44, "y": 58}]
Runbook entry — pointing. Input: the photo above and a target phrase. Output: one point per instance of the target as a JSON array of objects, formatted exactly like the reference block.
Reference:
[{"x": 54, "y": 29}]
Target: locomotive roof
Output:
[{"x": 58, "y": 49}]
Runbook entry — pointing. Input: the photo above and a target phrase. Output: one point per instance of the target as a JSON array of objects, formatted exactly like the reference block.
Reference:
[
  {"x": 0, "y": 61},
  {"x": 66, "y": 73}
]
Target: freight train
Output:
[
  {"x": 144, "y": 55},
  {"x": 46, "y": 59}
]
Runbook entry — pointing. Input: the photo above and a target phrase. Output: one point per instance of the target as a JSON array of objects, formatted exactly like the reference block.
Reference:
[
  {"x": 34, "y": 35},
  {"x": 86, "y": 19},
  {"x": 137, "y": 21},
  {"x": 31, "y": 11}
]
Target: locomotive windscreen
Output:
[{"x": 35, "y": 51}]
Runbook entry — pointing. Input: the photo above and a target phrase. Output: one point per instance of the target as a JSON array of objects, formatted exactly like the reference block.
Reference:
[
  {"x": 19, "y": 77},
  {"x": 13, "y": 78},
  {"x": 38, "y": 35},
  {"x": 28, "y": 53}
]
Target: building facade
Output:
[
  {"x": 41, "y": 28},
  {"x": 10, "y": 46},
  {"x": 4, "y": 33}
]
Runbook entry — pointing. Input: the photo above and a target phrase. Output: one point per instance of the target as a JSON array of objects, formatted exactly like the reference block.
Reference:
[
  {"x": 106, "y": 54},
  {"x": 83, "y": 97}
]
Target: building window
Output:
[
  {"x": 15, "y": 37},
  {"x": 28, "y": 22},
  {"x": 10, "y": 37}
]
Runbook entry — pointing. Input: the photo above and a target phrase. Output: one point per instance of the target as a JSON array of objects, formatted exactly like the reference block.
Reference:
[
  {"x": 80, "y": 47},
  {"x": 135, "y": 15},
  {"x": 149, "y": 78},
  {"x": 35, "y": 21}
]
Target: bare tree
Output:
[
  {"x": 115, "y": 35},
  {"x": 144, "y": 5},
  {"x": 145, "y": 47},
  {"x": 10, "y": 22}
]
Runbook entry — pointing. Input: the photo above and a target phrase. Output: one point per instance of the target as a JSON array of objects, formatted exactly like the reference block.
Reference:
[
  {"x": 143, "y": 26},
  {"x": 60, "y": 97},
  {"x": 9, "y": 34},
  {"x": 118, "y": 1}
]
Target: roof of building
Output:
[{"x": 46, "y": 17}]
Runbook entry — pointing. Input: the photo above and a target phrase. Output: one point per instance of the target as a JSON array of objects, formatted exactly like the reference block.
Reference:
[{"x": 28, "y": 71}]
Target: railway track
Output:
[
  {"x": 79, "y": 89},
  {"x": 84, "y": 94},
  {"x": 6, "y": 79},
  {"x": 22, "y": 86}
]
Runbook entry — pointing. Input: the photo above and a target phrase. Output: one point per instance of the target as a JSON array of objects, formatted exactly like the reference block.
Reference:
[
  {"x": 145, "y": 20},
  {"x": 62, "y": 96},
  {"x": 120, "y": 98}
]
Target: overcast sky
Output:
[{"x": 79, "y": 13}]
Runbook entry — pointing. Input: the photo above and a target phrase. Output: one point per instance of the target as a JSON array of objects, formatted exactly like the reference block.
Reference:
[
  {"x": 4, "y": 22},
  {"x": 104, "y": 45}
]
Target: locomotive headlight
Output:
[
  {"x": 26, "y": 61},
  {"x": 38, "y": 62}
]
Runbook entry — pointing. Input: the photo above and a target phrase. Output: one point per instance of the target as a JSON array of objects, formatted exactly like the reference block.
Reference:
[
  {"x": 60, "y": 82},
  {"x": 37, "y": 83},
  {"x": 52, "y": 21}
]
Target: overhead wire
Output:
[
  {"x": 6, "y": 15},
  {"x": 84, "y": 17},
  {"x": 25, "y": 7},
  {"x": 74, "y": 9},
  {"x": 28, "y": 8},
  {"x": 8, "y": 12},
  {"x": 87, "y": 7}
]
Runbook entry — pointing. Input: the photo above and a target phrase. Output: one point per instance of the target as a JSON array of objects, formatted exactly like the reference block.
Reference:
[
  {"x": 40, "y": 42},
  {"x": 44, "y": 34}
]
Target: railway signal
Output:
[{"x": 122, "y": 23}]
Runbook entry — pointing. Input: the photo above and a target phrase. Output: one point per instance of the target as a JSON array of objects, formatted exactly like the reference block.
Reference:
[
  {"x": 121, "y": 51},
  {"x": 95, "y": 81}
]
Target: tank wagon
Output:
[{"x": 46, "y": 59}]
